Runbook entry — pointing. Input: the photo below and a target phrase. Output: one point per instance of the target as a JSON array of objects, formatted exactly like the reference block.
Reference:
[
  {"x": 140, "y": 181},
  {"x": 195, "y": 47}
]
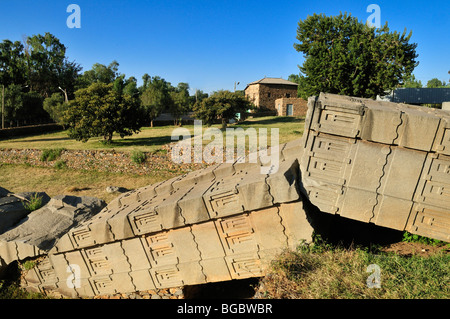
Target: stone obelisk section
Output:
[
  {"x": 372, "y": 161},
  {"x": 379, "y": 162},
  {"x": 221, "y": 223}
]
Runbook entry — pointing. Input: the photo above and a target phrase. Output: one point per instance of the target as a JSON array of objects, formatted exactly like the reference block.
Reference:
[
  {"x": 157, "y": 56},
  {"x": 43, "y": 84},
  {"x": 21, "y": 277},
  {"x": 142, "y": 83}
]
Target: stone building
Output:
[
  {"x": 293, "y": 106},
  {"x": 264, "y": 92}
]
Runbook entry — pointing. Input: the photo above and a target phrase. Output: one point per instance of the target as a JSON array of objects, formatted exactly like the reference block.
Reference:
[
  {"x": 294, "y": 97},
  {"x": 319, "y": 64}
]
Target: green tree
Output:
[
  {"x": 296, "y": 78},
  {"x": 411, "y": 82},
  {"x": 223, "y": 105},
  {"x": 56, "y": 107},
  {"x": 32, "y": 110},
  {"x": 99, "y": 73},
  {"x": 99, "y": 110},
  {"x": 180, "y": 103},
  {"x": 146, "y": 80},
  {"x": 197, "y": 97},
  {"x": 13, "y": 103},
  {"x": 156, "y": 97},
  {"x": 130, "y": 86},
  {"x": 12, "y": 63},
  {"x": 345, "y": 56},
  {"x": 47, "y": 65},
  {"x": 32, "y": 71},
  {"x": 435, "y": 83}
]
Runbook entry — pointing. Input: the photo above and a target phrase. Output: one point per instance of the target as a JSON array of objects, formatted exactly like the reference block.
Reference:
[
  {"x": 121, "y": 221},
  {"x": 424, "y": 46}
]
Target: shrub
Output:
[
  {"x": 60, "y": 164},
  {"x": 51, "y": 154},
  {"x": 138, "y": 157},
  {"x": 411, "y": 238},
  {"x": 34, "y": 203}
]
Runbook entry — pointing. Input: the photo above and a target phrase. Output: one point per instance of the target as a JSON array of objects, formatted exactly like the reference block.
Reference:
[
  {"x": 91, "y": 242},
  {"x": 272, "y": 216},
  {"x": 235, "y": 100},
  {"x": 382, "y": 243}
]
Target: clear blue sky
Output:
[{"x": 211, "y": 44}]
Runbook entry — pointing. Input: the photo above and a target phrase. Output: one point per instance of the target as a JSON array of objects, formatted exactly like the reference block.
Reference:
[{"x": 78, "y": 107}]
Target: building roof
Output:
[
  {"x": 419, "y": 95},
  {"x": 272, "y": 81}
]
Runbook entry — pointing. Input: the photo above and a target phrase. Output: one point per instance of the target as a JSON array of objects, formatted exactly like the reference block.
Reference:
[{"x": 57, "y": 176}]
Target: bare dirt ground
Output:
[{"x": 409, "y": 249}]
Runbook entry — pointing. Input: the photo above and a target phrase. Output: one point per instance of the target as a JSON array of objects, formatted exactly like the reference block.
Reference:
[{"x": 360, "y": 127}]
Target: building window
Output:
[
  {"x": 288, "y": 95},
  {"x": 268, "y": 94}
]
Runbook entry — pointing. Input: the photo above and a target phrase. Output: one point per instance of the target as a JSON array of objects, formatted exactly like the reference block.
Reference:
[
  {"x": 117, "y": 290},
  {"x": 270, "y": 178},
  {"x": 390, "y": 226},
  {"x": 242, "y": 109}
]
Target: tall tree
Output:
[
  {"x": 12, "y": 63},
  {"x": 47, "y": 65},
  {"x": 130, "y": 87},
  {"x": 345, "y": 56},
  {"x": 180, "y": 102},
  {"x": 156, "y": 97},
  {"x": 198, "y": 97},
  {"x": 146, "y": 80},
  {"x": 99, "y": 73}
]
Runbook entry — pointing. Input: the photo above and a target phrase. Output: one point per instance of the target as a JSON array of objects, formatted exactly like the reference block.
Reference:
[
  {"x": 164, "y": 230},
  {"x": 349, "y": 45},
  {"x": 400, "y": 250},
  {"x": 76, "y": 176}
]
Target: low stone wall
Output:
[{"x": 99, "y": 160}]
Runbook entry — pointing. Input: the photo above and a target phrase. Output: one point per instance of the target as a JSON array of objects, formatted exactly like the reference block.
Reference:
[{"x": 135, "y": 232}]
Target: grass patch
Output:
[
  {"x": 413, "y": 238},
  {"x": 10, "y": 284},
  {"x": 61, "y": 164},
  {"x": 34, "y": 203},
  {"x": 332, "y": 272},
  {"x": 138, "y": 157},
  {"x": 14, "y": 291},
  {"x": 51, "y": 154}
]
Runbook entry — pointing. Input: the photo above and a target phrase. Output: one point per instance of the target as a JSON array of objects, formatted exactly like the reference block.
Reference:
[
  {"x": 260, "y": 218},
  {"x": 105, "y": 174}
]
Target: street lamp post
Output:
[
  {"x": 65, "y": 94},
  {"x": 235, "y": 86}
]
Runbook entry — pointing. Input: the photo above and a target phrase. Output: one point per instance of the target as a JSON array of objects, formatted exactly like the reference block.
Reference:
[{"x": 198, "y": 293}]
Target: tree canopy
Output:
[
  {"x": 100, "y": 110},
  {"x": 222, "y": 105},
  {"x": 345, "y": 56},
  {"x": 436, "y": 83},
  {"x": 31, "y": 71}
]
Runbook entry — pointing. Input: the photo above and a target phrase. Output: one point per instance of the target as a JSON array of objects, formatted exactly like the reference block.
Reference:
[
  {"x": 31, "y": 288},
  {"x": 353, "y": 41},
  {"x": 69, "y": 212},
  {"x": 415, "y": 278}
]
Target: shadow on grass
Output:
[
  {"x": 51, "y": 139},
  {"x": 144, "y": 141},
  {"x": 269, "y": 121}
]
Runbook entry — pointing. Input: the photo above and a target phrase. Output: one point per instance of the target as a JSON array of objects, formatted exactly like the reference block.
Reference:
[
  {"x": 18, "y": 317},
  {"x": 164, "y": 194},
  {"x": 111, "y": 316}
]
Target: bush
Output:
[
  {"x": 51, "y": 154},
  {"x": 56, "y": 107},
  {"x": 60, "y": 164},
  {"x": 138, "y": 157},
  {"x": 34, "y": 203}
]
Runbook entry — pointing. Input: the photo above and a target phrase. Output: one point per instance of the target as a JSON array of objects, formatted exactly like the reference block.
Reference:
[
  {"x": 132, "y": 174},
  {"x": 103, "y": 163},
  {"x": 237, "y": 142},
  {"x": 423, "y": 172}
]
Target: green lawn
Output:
[{"x": 151, "y": 139}]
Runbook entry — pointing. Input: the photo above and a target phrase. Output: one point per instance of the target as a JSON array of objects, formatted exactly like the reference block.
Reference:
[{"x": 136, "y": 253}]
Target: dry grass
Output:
[{"x": 24, "y": 178}]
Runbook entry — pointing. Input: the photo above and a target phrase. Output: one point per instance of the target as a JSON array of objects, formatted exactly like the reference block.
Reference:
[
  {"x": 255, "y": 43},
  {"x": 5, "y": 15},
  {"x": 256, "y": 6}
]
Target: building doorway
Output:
[{"x": 289, "y": 110}]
